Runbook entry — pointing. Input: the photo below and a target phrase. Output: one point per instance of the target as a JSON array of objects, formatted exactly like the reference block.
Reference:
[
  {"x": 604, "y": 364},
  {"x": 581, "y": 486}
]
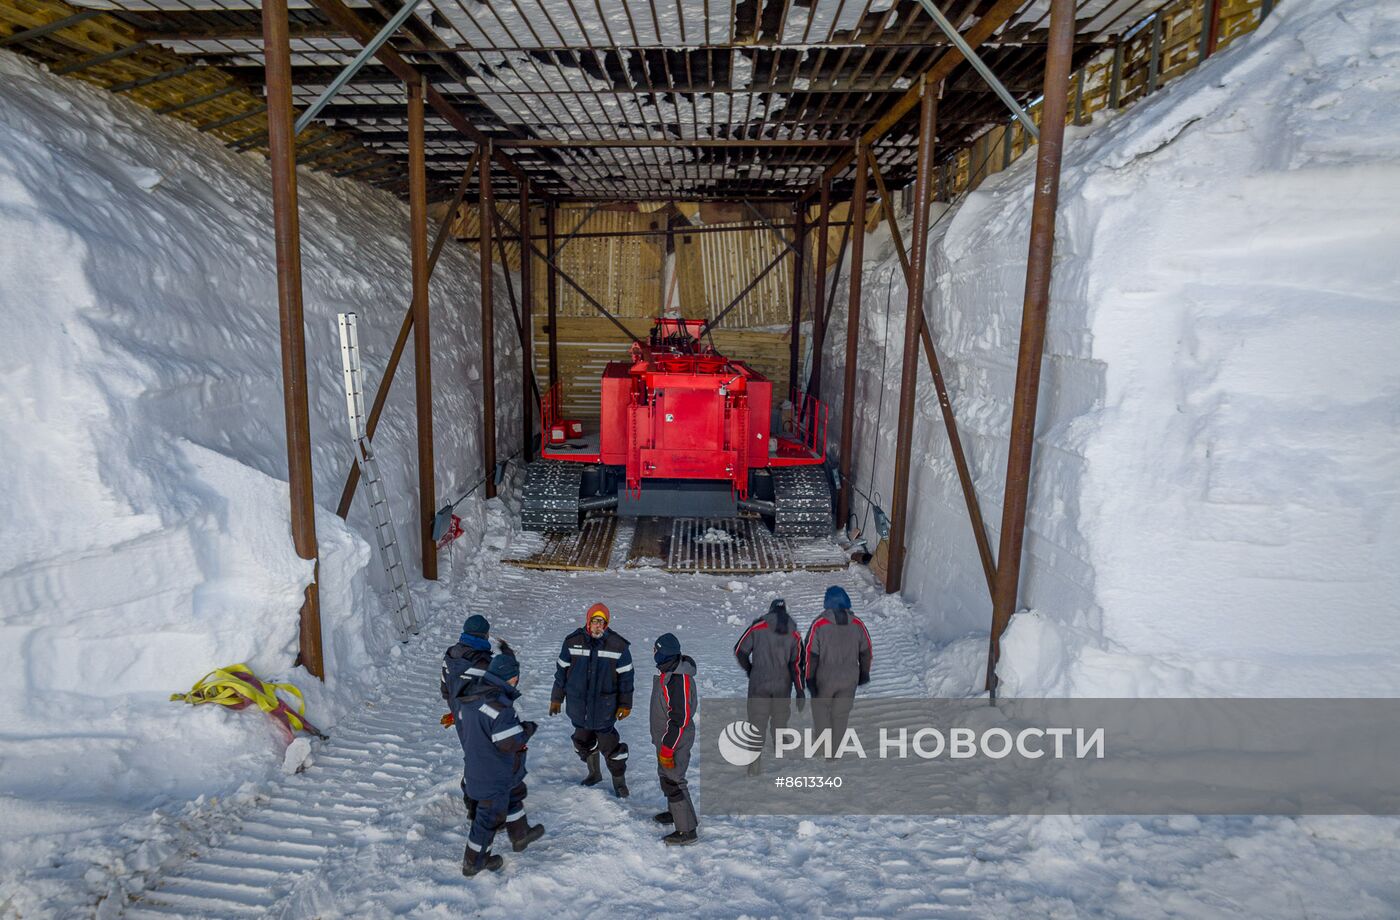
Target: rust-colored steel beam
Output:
[
  {"x": 381, "y": 393},
  {"x": 527, "y": 330},
  {"x": 1034, "y": 311},
  {"x": 287, "y": 236},
  {"x": 529, "y": 383},
  {"x": 909, "y": 369},
  {"x": 662, "y": 231},
  {"x": 848, "y": 390},
  {"x": 1211, "y": 37},
  {"x": 945, "y": 403},
  {"x": 814, "y": 380},
  {"x": 422, "y": 328},
  {"x": 638, "y": 142},
  {"x": 795, "y": 346},
  {"x": 487, "y": 212},
  {"x": 342, "y": 16},
  {"x": 552, "y": 289},
  {"x": 981, "y": 31}
]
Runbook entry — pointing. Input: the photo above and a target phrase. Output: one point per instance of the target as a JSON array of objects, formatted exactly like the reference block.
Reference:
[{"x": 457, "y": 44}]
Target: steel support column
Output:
[
  {"x": 381, "y": 393},
  {"x": 814, "y": 381},
  {"x": 795, "y": 346},
  {"x": 552, "y": 289},
  {"x": 1210, "y": 27},
  {"x": 287, "y": 235},
  {"x": 1033, "y": 315},
  {"x": 527, "y": 330},
  {"x": 422, "y": 339},
  {"x": 486, "y": 201},
  {"x": 945, "y": 402},
  {"x": 848, "y": 388},
  {"x": 913, "y": 321}
]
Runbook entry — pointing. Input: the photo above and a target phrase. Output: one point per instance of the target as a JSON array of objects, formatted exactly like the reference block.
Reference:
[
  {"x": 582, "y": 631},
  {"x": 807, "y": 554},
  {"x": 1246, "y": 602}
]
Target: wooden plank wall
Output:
[
  {"x": 625, "y": 274},
  {"x": 587, "y": 344},
  {"x": 713, "y": 268},
  {"x": 1091, "y": 87},
  {"x": 621, "y": 273}
]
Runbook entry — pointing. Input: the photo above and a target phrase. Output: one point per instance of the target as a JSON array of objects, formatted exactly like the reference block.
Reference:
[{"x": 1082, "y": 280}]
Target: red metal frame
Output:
[{"x": 679, "y": 410}]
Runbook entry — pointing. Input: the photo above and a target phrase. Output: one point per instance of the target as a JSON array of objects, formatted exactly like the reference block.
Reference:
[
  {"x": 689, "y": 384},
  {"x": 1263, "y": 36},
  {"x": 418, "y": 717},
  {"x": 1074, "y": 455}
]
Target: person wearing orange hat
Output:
[{"x": 593, "y": 683}]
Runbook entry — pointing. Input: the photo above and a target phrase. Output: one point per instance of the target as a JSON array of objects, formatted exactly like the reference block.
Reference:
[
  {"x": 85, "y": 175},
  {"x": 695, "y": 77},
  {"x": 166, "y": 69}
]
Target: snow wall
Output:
[
  {"x": 1215, "y": 503},
  {"x": 144, "y": 491}
]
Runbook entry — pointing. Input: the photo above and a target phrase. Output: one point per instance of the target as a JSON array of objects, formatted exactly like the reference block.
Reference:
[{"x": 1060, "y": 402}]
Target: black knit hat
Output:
[{"x": 504, "y": 666}]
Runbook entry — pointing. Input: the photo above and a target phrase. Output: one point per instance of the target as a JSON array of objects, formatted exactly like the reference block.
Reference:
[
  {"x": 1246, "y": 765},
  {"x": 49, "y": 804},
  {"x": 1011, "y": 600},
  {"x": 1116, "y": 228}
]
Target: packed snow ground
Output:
[{"x": 375, "y": 826}]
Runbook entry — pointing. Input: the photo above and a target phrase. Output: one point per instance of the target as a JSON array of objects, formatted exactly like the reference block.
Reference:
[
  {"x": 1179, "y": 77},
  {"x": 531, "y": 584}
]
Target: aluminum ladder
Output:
[{"x": 405, "y": 619}]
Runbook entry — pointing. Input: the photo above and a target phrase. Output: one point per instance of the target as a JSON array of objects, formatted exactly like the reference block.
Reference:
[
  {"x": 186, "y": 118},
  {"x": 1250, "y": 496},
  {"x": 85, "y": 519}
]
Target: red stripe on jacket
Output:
[
  {"x": 670, "y": 750},
  {"x": 868, "y": 644},
  {"x": 807, "y": 652},
  {"x": 757, "y": 624}
]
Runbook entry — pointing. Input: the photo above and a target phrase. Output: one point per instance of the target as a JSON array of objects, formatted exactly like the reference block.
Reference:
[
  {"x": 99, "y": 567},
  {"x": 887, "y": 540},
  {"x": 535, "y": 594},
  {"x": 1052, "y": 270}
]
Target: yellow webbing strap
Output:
[{"x": 236, "y": 686}]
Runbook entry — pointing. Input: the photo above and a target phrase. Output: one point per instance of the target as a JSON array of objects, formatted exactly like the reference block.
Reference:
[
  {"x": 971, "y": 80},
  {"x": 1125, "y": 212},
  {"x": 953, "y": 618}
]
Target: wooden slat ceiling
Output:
[{"x": 702, "y": 89}]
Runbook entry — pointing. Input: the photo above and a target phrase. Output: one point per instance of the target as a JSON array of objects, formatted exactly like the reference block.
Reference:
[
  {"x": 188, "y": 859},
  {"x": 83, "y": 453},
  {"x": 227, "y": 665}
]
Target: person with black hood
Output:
[
  {"x": 466, "y": 661},
  {"x": 770, "y": 652},
  {"x": 463, "y": 665},
  {"x": 674, "y": 702},
  {"x": 494, "y": 742},
  {"x": 836, "y": 660},
  {"x": 593, "y": 683}
]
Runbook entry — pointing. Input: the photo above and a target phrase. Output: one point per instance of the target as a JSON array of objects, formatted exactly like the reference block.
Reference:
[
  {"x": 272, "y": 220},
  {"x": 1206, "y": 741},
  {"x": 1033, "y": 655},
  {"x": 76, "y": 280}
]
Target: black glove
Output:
[
  {"x": 864, "y": 679},
  {"x": 530, "y": 728}
]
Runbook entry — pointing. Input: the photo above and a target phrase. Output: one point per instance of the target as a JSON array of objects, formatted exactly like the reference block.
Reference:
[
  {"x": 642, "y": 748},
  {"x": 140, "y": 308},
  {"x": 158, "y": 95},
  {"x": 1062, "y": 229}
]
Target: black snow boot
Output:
[
  {"x": 595, "y": 775},
  {"x": 663, "y": 818},
  {"x": 680, "y": 838},
  {"x": 620, "y": 785},
  {"x": 522, "y": 834},
  {"x": 471, "y": 865}
]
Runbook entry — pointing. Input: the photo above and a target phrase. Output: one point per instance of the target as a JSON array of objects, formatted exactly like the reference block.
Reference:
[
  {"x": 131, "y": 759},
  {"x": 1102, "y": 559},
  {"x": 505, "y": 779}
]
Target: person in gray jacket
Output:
[
  {"x": 836, "y": 660},
  {"x": 770, "y": 652},
  {"x": 674, "y": 701}
]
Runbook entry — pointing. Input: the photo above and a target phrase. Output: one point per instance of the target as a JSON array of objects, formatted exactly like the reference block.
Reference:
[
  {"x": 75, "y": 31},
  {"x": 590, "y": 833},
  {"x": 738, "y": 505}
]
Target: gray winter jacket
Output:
[
  {"x": 837, "y": 655},
  {"x": 674, "y": 701},
  {"x": 770, "y": 652}
]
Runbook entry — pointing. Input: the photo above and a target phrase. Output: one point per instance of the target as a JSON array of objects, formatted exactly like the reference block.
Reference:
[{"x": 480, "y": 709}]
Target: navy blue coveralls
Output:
[
  {"x": 593, "y": 679},
  {"x": 493, "y": 744}
]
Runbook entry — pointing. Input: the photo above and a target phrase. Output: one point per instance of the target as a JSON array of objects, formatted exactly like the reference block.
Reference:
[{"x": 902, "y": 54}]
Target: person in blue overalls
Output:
[{"x": 593, "y": 683}]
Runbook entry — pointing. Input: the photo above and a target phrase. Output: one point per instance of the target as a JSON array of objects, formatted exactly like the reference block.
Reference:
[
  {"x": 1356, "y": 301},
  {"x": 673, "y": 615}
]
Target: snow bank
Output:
[
  {"x": 144, "y": 491},
  {"x": 1215, "y": 504}
]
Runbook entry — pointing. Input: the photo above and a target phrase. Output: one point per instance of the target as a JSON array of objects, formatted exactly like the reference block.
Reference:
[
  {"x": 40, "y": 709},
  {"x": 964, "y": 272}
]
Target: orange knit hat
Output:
[{"x": 597, "y": 610}]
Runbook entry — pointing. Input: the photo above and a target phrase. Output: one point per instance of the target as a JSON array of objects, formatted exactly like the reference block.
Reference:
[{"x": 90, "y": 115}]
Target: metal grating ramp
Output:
[
  {"x": 727, "y": 546},
  {"x": 585, "y": 550}
]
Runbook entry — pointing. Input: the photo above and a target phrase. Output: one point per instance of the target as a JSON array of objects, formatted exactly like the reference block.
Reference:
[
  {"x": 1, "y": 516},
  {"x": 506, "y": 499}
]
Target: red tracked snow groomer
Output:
[{"x": 683, "y": 432}]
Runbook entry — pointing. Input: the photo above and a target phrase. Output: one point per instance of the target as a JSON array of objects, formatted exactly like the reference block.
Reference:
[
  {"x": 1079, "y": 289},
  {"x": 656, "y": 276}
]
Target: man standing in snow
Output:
[
  {"x": 462, "y": 666},
  {"x": 836, "y": 661},
  {"x": 593, "y": 682},
  {"x": 494, "y": 743},
  {"x": 674, "y": 702},
  {"x": 770, "y": 652}
]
